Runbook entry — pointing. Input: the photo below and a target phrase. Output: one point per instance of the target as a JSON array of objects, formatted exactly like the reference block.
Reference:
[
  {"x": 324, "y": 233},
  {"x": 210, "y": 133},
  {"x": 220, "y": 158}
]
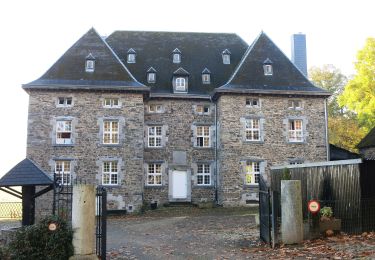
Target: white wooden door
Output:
[{"x": 179, "y": 185}]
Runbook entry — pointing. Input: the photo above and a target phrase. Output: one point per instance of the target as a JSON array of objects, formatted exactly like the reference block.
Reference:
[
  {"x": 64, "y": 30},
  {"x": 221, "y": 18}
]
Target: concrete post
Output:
[
  {"x": 291, "y": 212},
  {"x": 83, "y": 222}
]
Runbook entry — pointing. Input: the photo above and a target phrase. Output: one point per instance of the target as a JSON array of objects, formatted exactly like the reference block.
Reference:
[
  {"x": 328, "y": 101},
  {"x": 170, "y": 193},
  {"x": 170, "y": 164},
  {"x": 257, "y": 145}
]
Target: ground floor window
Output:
[
  {"x": 203, "y": 174},
  {"x": 154, "y": 174},
  {"x": 110, "y": 173},
  {"x": 252, "y": 173},
  {"x": 63, "y": 173}
]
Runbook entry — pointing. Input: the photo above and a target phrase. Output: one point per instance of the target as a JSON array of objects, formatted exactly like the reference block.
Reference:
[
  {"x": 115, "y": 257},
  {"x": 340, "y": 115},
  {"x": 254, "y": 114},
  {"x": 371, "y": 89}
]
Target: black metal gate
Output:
[
  {"x": 101, "y": 222},
  {"x": 264, "y": 211},
  {"x": 62, "y": 200}
]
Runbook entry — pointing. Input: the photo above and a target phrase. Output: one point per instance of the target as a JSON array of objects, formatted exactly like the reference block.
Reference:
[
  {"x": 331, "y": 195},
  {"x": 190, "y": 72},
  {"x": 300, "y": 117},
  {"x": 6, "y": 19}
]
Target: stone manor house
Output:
[{"x": 173, "y": 117}]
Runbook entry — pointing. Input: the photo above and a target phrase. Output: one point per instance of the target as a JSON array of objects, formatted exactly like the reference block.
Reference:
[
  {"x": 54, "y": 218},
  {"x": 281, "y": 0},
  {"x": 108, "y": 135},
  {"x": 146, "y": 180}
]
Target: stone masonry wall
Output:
[
  {"x": 87, "y": 153},
  {"x": 273, "y": 149},
  {"x": 179, "y": 118}
]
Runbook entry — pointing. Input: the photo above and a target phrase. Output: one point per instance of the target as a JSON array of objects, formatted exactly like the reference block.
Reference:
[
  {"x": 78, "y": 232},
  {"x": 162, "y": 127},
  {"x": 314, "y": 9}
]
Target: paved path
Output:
[{"x": 183, "y": 234}]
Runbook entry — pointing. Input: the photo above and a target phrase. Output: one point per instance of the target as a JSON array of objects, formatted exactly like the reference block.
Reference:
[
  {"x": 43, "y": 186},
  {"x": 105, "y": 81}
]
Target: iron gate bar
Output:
[
  {"x": 264, "y": 212},
  {"x": 101, "y": 222}
]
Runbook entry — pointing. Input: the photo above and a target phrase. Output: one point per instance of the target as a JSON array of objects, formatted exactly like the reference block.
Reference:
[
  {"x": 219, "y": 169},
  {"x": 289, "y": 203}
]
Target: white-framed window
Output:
[
  {"x": 111, "y": 102},
  {"x": 252, "y": 129},
  {"x": 154, "y": 174},
  {"x": 131, "y": 58},
  {"x": 90, "y": 66},
  {"x": 268, "y": 71},
  {"x": 203, "y": 174},
  {"x": 180, "y": 84},
  {"x": 151, "y": 77},
  {"x": 226, "y": 59},
  {"x": 203, "y": 136},
  {"x": 110, "y": 173},
  {"x": 252, "y": 173},
  {"x": 64, "y": 132},
  {"x": 295, "y": 130},
  {"x": 176, "y": 58},
  {"x": 295, "y": 104},
  {"x": 110, "y": 132},
  {"x": 155, "y": 108},
  {"x": 154, "y": 136},
  {"x": 64, "y": 101},
  {"x": 206, "y": 78},
  {"x": 202, "y": 109},
  {"x": 252, "y": 102},
  {"x": 63, "y": 172}
]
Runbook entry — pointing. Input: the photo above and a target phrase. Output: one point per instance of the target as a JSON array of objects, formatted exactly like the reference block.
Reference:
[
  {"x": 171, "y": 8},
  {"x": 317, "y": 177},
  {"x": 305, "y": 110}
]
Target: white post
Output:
[
  {"x": 291, "y": 212},
  {"x": 83, "y": 222}
]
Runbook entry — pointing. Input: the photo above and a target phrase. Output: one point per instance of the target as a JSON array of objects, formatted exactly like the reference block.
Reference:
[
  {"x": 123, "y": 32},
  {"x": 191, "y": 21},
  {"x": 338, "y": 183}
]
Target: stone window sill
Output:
[
  {"x": 63, "y": 145},
  {"x": 203, "y": 187},
  {"x": 155, "y": 186},
  {"x": 251, "y": 186},
  {"x": 110, "y": 145},
  {"x": 253, "y": 142}
]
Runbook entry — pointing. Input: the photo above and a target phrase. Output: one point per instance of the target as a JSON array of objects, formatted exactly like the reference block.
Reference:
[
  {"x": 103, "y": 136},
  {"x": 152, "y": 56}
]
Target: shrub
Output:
[
  {"x": 286, "y": 174},
  {"x": 326, "y": 212},
  {"x": 38, "y": 242}
]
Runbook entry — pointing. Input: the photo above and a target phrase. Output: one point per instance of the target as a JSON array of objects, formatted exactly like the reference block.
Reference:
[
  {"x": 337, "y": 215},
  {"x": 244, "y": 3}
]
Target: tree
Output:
[
  {"x": 359, "y": 93},
  {"x": 330, "y": 78}
]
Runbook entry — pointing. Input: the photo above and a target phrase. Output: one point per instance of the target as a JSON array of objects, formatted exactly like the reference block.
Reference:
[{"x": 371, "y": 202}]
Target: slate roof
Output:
[
  {"x": 249, "y": 75},
  {"x": 338, "y": 153},
  {"x": 69, "y": 70},
  {"x": 368, "y": 140},
  {"x": 25, "y": 173},
  {"x": 198, "y": 51}
]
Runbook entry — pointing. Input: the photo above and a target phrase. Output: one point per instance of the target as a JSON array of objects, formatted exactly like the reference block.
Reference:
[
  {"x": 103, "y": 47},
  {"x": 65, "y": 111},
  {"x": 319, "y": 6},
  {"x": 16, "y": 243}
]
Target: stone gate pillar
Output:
[{"x": 83, "y": 222}]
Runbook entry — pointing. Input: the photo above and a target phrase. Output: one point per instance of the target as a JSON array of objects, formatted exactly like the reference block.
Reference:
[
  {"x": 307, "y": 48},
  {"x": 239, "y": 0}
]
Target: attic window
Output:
[
  {"x": 176, "y": 56},
  {"x": 206, "y": 76},
  {"x": 267, "y": 67},
  {"x": 180, "y": 84},
  {"x": 131, "y": 56},
  {"x": 90, "y": 63},
  {"x": 226, "y": 56},
  {"x": 151, "y": 75}
]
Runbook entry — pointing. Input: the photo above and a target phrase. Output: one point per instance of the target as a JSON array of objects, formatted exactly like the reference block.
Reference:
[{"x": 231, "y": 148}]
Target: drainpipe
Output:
[
  {"x": 216, "y": 164},
  {"x": 326, "y": 123}
]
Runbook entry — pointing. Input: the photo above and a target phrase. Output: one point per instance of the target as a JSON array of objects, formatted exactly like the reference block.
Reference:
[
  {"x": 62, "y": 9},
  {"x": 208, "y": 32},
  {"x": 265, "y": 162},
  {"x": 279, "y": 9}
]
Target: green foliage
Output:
[
  {"x": 359, "y": 93},
  {"x": 4, "y": 253},
  {"x": 326, "y": 212},
  {"x": 330, "y": 78},
  {"x": 38, "y": 242},
  {"x": 286, "y": 174}
]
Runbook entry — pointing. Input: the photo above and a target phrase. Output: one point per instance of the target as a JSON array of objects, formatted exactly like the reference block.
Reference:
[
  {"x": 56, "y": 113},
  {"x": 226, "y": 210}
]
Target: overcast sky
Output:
[{"x": 34, "y": 34}]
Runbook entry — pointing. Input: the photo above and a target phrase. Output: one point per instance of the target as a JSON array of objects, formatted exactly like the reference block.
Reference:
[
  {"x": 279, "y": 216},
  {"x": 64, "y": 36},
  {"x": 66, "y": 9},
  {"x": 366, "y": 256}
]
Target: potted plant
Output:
[{"x": 328, "y": 221}]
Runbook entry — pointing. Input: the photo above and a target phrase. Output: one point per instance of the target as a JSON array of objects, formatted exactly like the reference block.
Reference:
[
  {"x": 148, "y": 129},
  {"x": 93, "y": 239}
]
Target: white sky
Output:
[{"x": 34, "y": 34}]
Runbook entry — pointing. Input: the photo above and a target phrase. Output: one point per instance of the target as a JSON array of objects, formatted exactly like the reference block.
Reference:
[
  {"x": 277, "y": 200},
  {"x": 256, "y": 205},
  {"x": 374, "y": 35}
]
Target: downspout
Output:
[
  {"x": 216, "y": 164},
  {"x": 326, "y": 128}
]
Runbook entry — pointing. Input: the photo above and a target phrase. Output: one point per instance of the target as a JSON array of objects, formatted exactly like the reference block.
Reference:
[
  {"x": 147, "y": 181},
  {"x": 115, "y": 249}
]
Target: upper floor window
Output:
[
  {"x": 111, "y": 132},
  {"x": 252, "y": 102},
  {"x": 180, "y": 84},
  {"x": 203, "y": 136},
  {"x": 295, "y": 130},
  {"x": 64, "y": 132},
  {"x": 252, "y": 173},
  {"x": 154, "y": 174},
  {"x": 64, "y": 102},
  {"x": 295, "y": 104},
  {"x": 252, "y": 130},
  {"x": 155, "y": 108},
  {"x": 176, "y": 56},
  {"x": 151, "y": 75},
  {"x": 203, "y": 174},
  {"x": 202, "y": 109},
  {"x": 110, "y": 173},
  {"x": 267, "y": 67},
  {"x": 226, "y": 56},
  {"x": 111, "y": 102},
  {"x": 154, "y": 136},
  {"x": 63, "y": 173},
  {"x": 90, "y": 63},
  {"x": 131, "y": 56},
  {"x": 206, "y": 76}
]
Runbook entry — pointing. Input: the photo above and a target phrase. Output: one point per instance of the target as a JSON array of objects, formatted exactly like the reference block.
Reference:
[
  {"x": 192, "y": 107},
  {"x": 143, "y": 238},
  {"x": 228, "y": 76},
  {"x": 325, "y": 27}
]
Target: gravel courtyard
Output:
[{"x": 183, "y": 233}]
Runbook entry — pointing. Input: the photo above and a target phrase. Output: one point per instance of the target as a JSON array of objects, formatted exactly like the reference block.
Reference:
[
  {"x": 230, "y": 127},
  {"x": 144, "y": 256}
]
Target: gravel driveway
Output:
[{"x": 187, "y": 233}]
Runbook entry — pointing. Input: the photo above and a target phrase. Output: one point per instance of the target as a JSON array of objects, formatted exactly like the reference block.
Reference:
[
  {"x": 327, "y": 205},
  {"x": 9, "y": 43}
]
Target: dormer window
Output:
[
  {"x": 206, "y": 76},
  {"x": 90, "y": 63},
  {"x": 267, "y": 67},
  {"x": 180, "y": 84},
  {"x": 151, "y": 75},
  {"x": 176, "y": 56},
  {"x": 226, "y": 56},
  {"x": 131, "y": 56}
]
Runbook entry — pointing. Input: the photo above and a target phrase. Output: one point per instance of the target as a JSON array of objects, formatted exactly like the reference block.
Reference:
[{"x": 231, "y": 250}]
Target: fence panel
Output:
[{"x": 11, "y": 210}]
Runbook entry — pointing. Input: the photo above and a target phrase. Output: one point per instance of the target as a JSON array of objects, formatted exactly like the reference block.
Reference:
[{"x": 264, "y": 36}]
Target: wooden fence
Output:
[{"x": 11, "y": 210}]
